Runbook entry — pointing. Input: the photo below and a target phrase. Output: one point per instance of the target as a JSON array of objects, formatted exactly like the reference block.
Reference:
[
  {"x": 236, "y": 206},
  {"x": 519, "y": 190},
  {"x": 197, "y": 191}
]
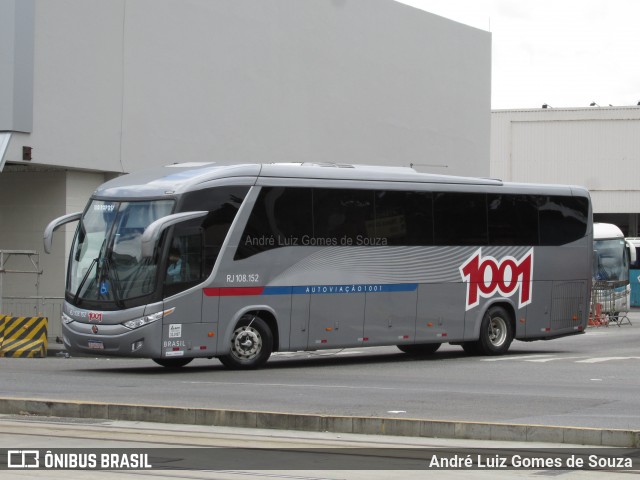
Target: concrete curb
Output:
[{"x": 322, "y": 423}]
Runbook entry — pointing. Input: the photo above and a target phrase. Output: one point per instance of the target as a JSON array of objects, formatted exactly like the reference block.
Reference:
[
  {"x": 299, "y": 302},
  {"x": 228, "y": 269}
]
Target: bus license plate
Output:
[{"x": 96, "y": 345}]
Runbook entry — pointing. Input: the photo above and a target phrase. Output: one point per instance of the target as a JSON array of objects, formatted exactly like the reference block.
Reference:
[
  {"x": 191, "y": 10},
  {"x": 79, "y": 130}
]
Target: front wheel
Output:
[
  {"x": 496, "y": 332},
  {"x": 251, "y": 344}
]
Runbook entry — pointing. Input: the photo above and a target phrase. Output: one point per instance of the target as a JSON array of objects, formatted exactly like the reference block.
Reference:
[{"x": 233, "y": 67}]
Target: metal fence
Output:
[
  {"x": 609, "y": 304},
  {"x": 567, "y": 304}
]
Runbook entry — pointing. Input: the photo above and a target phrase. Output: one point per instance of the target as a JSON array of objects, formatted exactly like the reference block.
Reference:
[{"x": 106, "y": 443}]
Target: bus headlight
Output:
[
  {"x": 66, "y": 319},
  {"x": 147, "y": 319}
]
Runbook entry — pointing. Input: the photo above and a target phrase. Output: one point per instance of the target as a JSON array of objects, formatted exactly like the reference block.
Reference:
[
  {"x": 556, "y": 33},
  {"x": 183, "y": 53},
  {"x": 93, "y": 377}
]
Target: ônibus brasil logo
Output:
[{"x": 485, "y": 276}]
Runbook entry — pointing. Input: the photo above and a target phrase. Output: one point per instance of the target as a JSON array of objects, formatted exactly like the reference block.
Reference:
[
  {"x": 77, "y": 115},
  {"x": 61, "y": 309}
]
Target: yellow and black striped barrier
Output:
[
  {"x": 2, "y": 317},
  {"x": 24, "y": 337}
]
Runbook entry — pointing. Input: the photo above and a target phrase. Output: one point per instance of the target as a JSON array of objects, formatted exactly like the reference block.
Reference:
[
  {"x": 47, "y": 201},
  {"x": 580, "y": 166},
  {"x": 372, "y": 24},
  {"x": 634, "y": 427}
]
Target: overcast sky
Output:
[{"x": 566, "y": 53}]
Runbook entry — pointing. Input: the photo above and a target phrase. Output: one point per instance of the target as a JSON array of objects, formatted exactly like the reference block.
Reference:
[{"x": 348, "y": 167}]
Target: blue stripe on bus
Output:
[{"x": 341, "y": 289}]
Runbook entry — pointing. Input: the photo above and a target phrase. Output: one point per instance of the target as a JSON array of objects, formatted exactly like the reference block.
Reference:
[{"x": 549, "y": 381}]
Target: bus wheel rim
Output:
[
  {"x": 497, "y": 331},
  {"x": 246, "y": 343}
]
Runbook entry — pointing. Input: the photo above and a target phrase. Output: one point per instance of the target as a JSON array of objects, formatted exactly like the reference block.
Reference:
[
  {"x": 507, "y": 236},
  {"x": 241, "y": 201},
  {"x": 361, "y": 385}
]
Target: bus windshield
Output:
[
  {"x": 611, "y": 262},
  {"x": 106, "y": 268}
]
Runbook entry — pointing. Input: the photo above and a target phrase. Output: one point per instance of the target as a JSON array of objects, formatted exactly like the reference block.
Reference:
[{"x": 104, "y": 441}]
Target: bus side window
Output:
[
  {"x": 513, "y": 220},
  {"x": 404, "y": 217},
  {"x": 175, "y": 268},
  {"x": 460, "y": 218},
  {"x": 342, "y": 216},
  {"x": 562, "y": 219},
  {"x": 281, "y": 216},
  {"x": 222, "y": 203},
  {"x": 184, "y": 266}
]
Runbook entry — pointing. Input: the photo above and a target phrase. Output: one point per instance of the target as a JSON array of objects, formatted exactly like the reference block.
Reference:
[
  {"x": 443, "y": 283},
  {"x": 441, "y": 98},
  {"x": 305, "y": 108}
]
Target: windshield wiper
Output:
[
  {"x": 84, "y": 280},
  {"x": 103, "y": 271},
  {"x": 109, "y": 270},
  {"x": 95, "y": 261}
]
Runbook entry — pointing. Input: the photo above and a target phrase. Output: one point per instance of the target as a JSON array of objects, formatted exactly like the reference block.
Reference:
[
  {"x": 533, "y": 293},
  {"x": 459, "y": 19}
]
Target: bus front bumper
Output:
[{"x": 113, "y": 340}]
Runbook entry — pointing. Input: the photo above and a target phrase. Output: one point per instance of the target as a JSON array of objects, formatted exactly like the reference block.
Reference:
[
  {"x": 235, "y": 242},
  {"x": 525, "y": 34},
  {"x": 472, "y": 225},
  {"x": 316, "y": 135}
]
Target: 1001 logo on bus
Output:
[{"x": 486, "y": 276}]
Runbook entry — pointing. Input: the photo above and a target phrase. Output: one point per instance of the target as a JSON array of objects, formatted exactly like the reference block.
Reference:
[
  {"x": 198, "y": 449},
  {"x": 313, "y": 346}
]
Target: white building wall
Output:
[
  {"x": 16, "y": 65},
  {"x": 30, "y": 200},
  {"x": 598, "y": 148},
  {"x": 78, "y": 76},
  {"x": 123, "y": 85}
]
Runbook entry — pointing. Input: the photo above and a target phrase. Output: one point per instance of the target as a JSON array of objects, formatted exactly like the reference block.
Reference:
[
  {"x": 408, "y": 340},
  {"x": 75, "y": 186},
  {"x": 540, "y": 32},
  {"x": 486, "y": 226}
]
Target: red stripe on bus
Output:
[{"x": 233, "y": 291}]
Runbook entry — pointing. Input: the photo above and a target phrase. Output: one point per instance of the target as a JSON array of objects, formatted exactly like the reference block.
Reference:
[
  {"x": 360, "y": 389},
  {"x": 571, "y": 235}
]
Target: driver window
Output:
[
  {"x": 175, "y": 268},
  {"x": 184, "y": 263}
]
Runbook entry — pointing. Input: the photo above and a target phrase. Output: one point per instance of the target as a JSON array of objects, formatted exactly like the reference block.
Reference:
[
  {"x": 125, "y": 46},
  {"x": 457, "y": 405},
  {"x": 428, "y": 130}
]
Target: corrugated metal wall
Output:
[{"x": 598, "y": 148}]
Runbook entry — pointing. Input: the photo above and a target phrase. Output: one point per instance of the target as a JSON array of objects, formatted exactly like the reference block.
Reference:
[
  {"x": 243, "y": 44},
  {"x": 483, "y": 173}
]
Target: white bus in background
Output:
[
  {"x": 634, "y": 272},
  {"x": 238, "y": 261},
  {"x": 612, "y": 255}
]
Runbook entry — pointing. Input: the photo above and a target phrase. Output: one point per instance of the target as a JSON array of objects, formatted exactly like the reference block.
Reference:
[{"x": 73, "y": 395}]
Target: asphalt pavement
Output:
[{"x": 581, "y": 389}]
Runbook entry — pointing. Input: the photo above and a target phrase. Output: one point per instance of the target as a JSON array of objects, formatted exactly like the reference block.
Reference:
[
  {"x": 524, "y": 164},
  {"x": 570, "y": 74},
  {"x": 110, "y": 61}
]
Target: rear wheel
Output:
[
  {"x": 172, "y": 362},
  {"x": 251, "y": 344},
  {"x": 420, "y": 350},
  {"x": 496, "y": 332}
]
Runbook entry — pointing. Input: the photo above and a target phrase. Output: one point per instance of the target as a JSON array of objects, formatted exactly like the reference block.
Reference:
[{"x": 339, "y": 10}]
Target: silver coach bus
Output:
[{"x": 239, "y": 261}]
